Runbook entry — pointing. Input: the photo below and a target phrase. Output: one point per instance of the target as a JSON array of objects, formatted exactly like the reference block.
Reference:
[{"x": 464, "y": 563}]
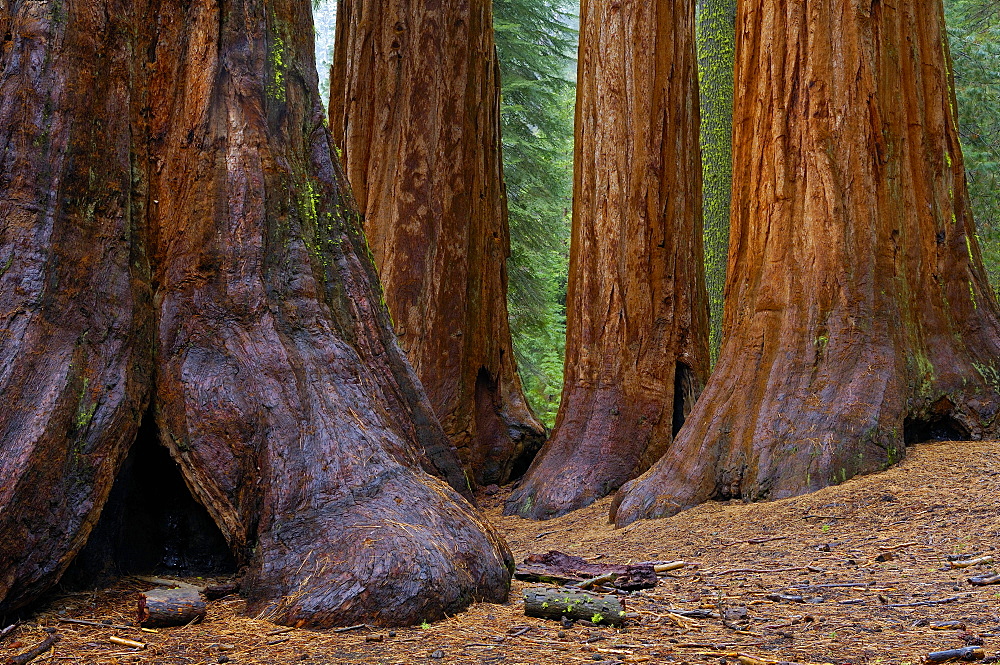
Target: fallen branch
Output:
[
  {"x": 210, "y": 591},
  {"x": 596, "y": 581},
  {"x": 926, "y": 603},
  {"x": 7, "y": 631},
  {"x": 162, "y": 581},
  {"x": 97, "y": 624},
  {"x": 968, "y": 563},
  {"x": 781, "y": 597},
  {"x": 838, "y": 585},
  {"x": 696, "y": 614},
  {"x": 121, "y": 641},
  {"x": 34, "y": 652},
  {"x": 947, "y": 625},
  {"x": 893, "y": 548},
  {"x": 682, "y": 622},
  {"x": 279, "y": 631},
  {"x": 755, "y": 541},
  {"x": 350, "y": 628},
  {"x": 983, "y": 580},
  {"x": 733, "y": 571}
]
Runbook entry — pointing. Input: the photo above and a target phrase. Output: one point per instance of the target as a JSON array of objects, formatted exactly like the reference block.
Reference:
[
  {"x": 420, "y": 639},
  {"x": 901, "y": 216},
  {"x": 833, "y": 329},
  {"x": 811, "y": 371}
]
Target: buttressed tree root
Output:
[
  {"x": 857, "y": 311},
  {"x": 637, "y": 313},
  {"x": 191, "y": 186}
]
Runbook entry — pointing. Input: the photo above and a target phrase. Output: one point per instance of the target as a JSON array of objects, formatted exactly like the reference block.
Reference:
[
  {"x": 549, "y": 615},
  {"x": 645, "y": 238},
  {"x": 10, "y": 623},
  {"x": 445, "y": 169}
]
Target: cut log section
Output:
[
  {"x": 170, "y": 607},
  {"x": 965, "y": 653},
  {"x": 573, "y": 604}
]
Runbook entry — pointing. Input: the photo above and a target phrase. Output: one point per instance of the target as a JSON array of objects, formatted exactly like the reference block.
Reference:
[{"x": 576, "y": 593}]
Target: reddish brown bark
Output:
[
  {"x": 280, "y": 390},
  {"x": 857, "y": 307},
  {"x": 637, "y": 313},
  {"x": 75, "y": 308},
  {"x": 415, "y": 107}
]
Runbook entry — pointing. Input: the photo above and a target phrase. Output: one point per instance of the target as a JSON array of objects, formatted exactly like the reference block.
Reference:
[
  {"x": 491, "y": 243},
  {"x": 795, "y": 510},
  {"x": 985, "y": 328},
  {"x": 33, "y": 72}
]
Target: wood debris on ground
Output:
[{"x": 823, "y": 547}]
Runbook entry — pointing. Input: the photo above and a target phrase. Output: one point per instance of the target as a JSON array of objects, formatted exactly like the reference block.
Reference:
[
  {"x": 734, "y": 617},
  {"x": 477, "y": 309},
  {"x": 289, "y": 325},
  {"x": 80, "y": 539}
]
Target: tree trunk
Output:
[
  {"x": 280, "y": 390},
  {"x": 716, "y": 45},
  {"x": 75, "y": 307},
  {"x": 637, "y": 317},
  {"x": 415, "y": 107},
  {"x": 857, "y": 309}
]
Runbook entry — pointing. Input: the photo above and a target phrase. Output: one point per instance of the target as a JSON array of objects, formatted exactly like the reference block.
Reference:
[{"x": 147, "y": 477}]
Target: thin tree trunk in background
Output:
[
  {"x": 637, "y": 319},
  {"x": 415, "y": 107},
  {"x": 75, "y": 306},
  {"x": 716, "y": 52},
  {"x": 857, "y": 311},
  {"x": 280, "y": 390}
]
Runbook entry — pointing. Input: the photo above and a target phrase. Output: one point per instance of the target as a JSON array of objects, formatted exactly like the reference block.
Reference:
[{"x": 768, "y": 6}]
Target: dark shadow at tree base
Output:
[
  {"x": 150, "y": 524},
  {"x": 935, "y": 428}
]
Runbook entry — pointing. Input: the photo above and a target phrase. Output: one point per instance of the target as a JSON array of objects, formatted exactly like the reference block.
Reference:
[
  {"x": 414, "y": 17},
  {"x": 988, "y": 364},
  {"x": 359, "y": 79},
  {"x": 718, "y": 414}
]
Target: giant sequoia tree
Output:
[
  {"x": 857, "y": 312},
  {"x": 168, "y": 202},
  {"x": 415, "y": 107},
  {"x": 637, "y": 318}
]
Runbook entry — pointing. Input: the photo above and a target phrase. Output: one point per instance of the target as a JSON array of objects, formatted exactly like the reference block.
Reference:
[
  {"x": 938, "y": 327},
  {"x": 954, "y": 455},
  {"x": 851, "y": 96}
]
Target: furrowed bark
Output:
[
  {"x": 196, "y": 130},
  {"x": 75, "y": 313},
  {"x": 278, "y": 386},
  {"x": 637, "y": 315},
  {"x": 415, "y": 107},
  {"x": 857, "y": 307}
]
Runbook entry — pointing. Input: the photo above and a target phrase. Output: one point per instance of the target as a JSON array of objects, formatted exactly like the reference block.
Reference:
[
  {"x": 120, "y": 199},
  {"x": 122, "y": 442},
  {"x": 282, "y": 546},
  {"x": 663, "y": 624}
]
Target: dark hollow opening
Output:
[
  {"x": 151, "y": 523},
  {"x": 935, "y": 428},
  {"x": 684, "y": 395}
]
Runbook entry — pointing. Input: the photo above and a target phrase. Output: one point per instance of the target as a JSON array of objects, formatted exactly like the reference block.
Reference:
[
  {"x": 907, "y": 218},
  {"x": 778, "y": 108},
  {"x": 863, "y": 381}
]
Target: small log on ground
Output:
[
  {"x": 170, "y": 607},
  {"x": 573, "y": 604},
  {"x": 965, "y": 653},
  {"x": 561, "y": 568}
]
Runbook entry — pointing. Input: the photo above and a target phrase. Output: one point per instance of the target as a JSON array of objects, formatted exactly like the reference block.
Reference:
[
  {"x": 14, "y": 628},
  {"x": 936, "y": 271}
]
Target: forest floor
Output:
[{"x": 870, "y": 557}]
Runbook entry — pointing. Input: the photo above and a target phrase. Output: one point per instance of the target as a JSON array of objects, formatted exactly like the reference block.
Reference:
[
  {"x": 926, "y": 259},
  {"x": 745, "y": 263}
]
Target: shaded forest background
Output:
[{"x": 537, "y": 42}]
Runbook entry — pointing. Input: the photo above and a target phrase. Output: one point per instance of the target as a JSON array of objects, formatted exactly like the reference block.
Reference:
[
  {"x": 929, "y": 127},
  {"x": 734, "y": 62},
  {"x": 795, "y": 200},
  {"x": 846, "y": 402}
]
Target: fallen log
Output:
[
  {"x": 965, "y": 653},
  {"x": 34, "y": 652},
  {"x": 574, "y": 604},
  {"x": 561, "y": 568},
  {"x": 170, "y": 607}
]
